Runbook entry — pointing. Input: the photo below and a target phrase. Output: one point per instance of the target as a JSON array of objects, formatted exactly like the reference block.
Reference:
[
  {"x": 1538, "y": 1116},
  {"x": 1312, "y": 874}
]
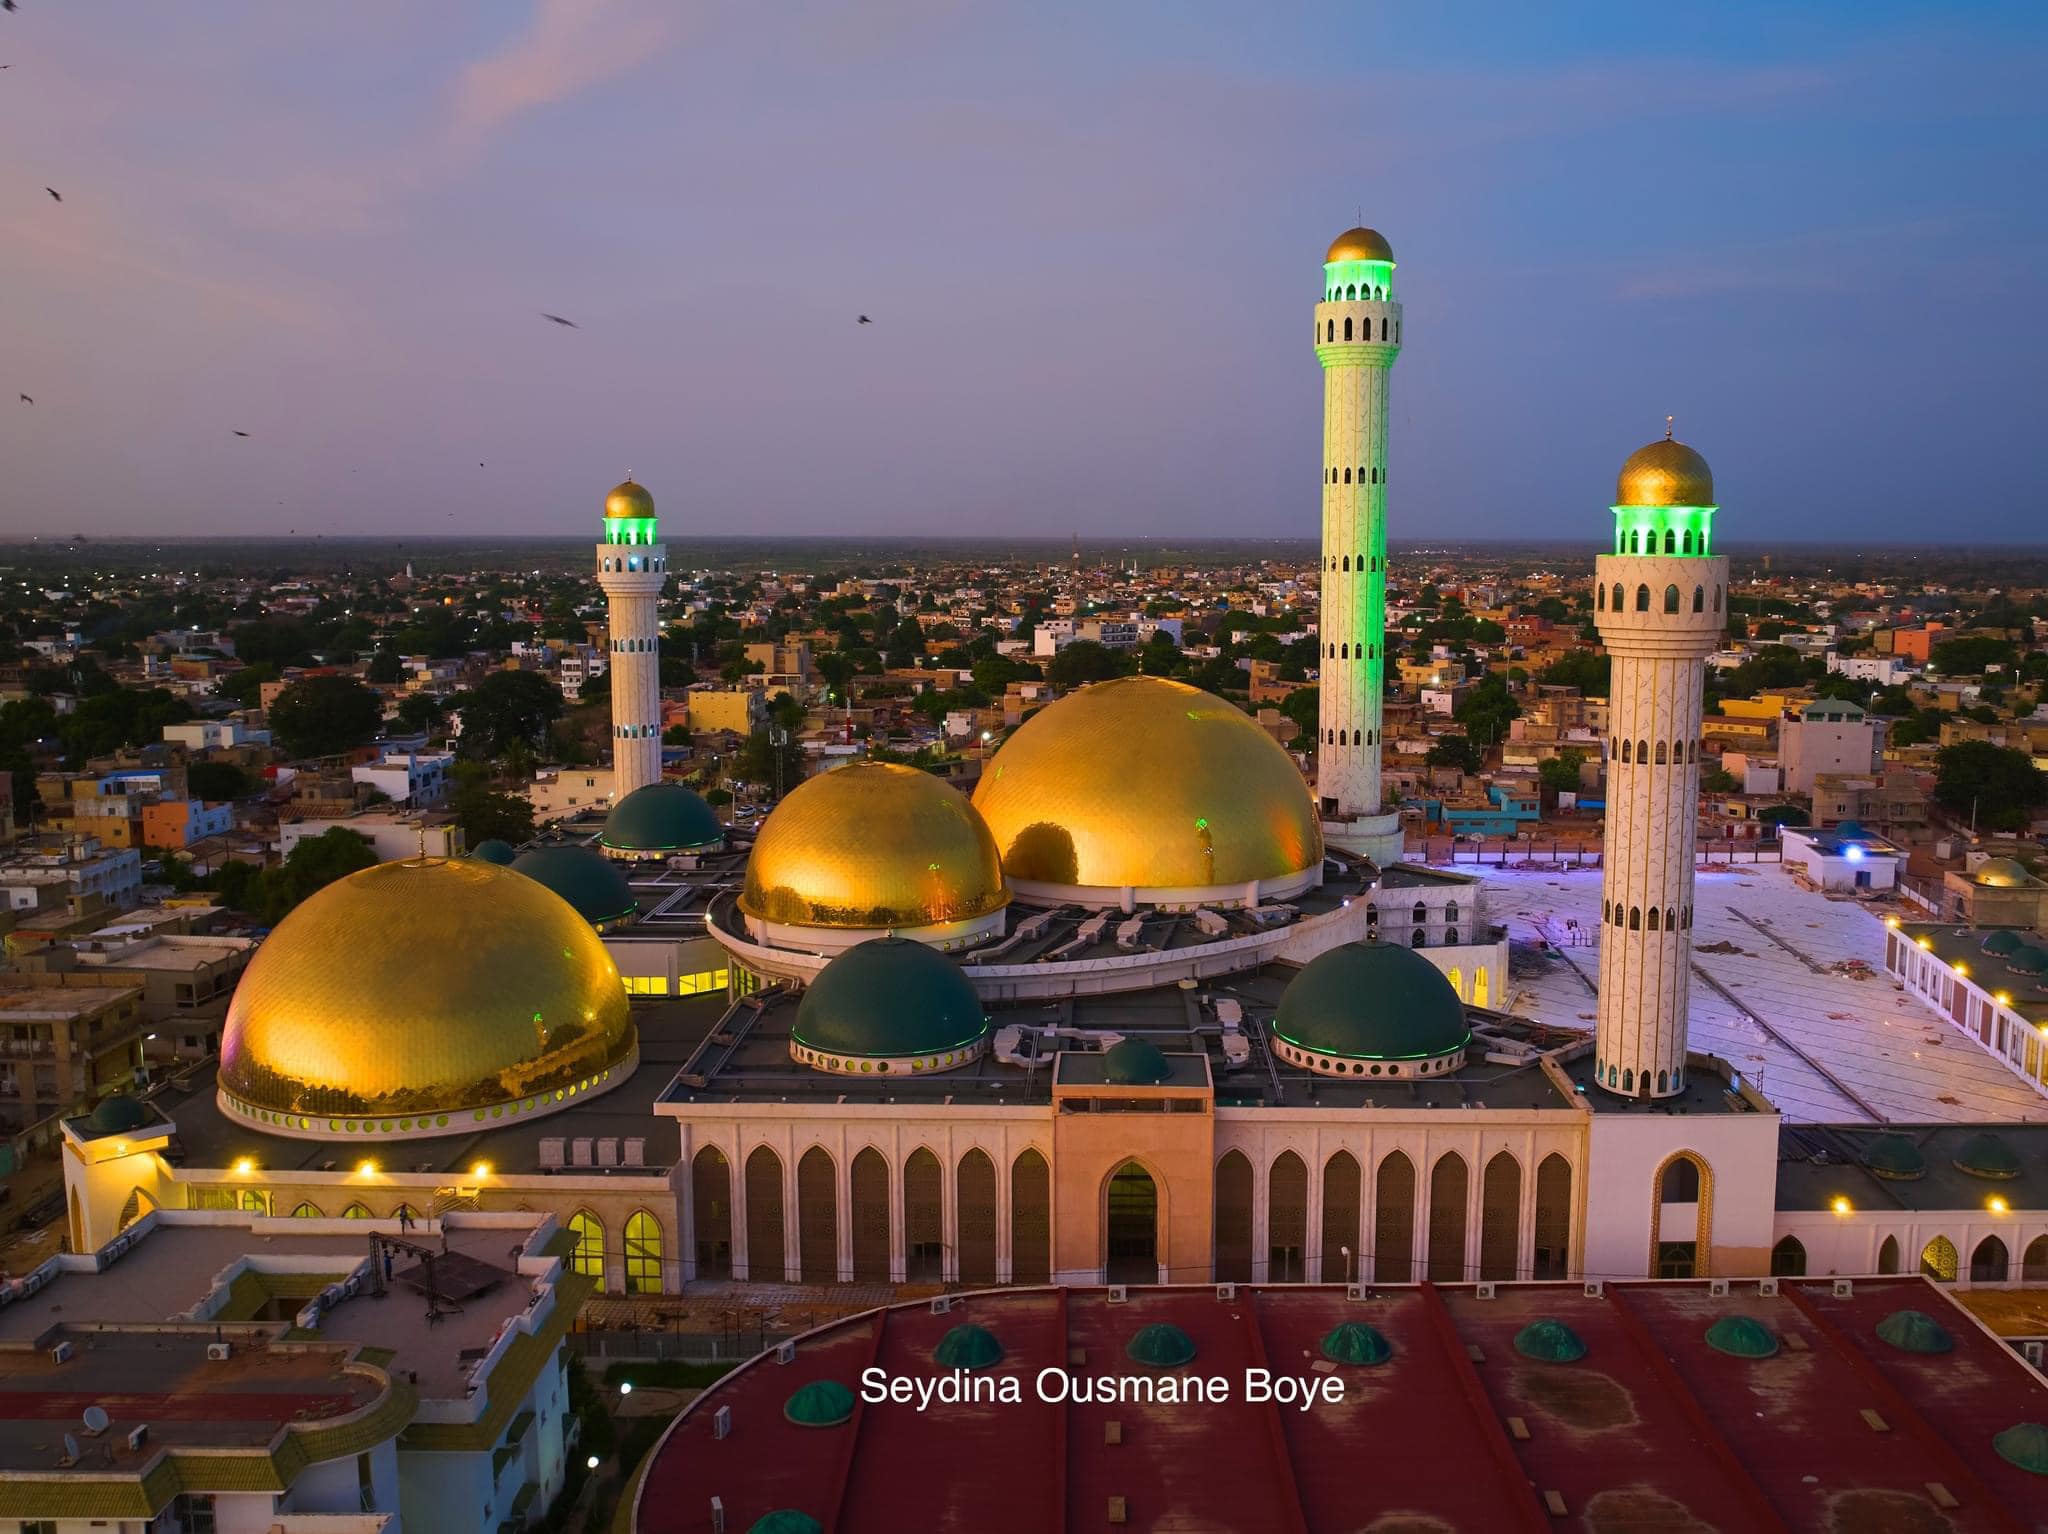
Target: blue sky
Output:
[{"x": 1089, "y": 237}]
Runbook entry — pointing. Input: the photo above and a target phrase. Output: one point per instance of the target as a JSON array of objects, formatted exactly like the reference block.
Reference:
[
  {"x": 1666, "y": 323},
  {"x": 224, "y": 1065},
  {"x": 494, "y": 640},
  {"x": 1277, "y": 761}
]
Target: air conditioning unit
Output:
[
  {"x": 1718, "y": 1288},
  {"x": 1118, "y": 1294},
  {"x": 785, "y": 1352},
  {"x": 1485, "y": 1288},
  {"x": 61, "y": 1353},
  {"x": 717, "y": 1515},
  {"x": 2034, "y": 1353},
  {"x": 1595, "y": 1289},
  {"x": 1768, "y": 1288},
  {"x": 219, "y": 1352},
  {"x": 1354, "y": 1291},
  {"x": 136, "y": 1435},
  {"x": 941, "y": 1304},
  {"x": 1227, "y": 1293},
  {"x": 721, "y": 1422},
  {"x": 1845, "y": 1288}
]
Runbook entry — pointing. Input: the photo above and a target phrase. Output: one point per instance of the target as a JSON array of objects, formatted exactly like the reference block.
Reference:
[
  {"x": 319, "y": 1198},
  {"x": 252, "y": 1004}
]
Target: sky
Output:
[{"x": 1089, "y": 237}]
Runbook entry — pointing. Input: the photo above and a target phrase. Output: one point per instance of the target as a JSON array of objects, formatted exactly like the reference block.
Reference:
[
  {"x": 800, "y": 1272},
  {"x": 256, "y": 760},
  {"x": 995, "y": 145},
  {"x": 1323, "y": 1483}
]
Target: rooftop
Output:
[
  {"x": 1832, "y": 1430},
  {"x": 1818, "y": 1163},
  {"x": 1963, "y": 947}
]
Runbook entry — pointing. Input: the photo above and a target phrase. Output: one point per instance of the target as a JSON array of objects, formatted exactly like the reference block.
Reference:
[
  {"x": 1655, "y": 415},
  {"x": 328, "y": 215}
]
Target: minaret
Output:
[
  {"x": 632, "y": 568},
  {"x": 1659, "y": 605},
  {"x": 1358, "y": 336}
]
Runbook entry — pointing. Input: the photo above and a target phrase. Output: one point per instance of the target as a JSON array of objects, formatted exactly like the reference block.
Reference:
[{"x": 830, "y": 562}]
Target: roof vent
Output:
[
  {"x": 219, "y": 1352},
  {"x": 61, "y": 1353}
]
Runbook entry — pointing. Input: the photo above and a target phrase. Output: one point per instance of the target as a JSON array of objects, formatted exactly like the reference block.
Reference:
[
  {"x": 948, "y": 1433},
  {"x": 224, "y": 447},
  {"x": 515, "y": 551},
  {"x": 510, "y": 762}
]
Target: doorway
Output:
[{"x": 1132, "y": 1227}]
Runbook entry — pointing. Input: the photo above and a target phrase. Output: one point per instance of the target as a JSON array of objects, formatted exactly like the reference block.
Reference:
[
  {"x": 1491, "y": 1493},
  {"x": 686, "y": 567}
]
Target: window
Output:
[
  {"x": 1635, "y": 918},
  {"x": 1671, "y": 599},
  {"x": 643, "y": 1254},
  {"x": 1603, "y": 598},
  {"x": 588, "y": 1257},
  {"x": 192, "y": 1513},
  {"x": 1670, "y": 541},
  {"x": 1347, "y": 327},
  {"x": 1938, "y": 1260},
  {"x": 1699, "y": 597},
  {"x": 1642, "y": 599},
  {"x": 1676, "y": 1259},
  {"x": 1681, "y": 1182},
  {"x": 306, "y": 1212},
  {"x": 1788, "y": 1259}
]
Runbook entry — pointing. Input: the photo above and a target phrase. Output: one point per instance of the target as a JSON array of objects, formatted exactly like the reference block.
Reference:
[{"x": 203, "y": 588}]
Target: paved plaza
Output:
[{"x": 1824, "y": 1045}]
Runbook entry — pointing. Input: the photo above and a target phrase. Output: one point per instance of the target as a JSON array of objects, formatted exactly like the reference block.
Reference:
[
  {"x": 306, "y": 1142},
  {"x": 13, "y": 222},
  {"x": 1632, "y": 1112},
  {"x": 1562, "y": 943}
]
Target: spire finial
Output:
[{"x": 1668, "y": 421}]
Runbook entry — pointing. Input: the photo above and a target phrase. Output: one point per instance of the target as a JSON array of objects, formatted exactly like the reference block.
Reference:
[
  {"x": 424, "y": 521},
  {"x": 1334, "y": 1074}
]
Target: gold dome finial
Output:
[
  {"x": 1360, "y": 244},
  {"x": 1665, "y": 473},
  {"x": 1670, "y": 422},
  {"x": 628, "y": 500}
]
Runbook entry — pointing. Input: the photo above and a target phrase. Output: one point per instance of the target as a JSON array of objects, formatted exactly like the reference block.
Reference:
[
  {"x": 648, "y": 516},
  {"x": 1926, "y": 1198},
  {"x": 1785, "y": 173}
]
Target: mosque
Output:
[{"x": 1147, "y": 1008}]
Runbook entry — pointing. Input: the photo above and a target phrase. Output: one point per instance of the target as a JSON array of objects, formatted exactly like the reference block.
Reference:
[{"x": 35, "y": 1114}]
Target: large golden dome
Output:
[
  {"x": 1666, "y": 473},
  {"x": 423, "y": 997},
  {"x": 628, "y": 500},
  {"x": 1147, "y": 783},
  {"x": 873, "y": 845},
  {"x": 1360, "y": 244}
]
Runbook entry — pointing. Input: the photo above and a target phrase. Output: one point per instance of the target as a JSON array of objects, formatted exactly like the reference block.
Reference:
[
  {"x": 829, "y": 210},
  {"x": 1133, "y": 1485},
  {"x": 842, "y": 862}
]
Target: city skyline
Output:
[{"x": 1085, "y": 250}]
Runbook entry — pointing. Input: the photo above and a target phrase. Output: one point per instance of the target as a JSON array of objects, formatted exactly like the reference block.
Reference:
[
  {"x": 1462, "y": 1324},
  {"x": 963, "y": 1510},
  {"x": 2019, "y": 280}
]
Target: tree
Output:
[
  {"x": 1561, "y": 772},
  {"x": 484, "y": 812},
  {"x": 325, "y": 715},
  {"x": 906, "y": 644},
  {"x": 762, "y": 762},
  {"x": 421, "y": 711},
  {"x": 1718, "y": 780},
  {"x": 316, "y": 862},
  {"x": 1486, "y": 710},
  {"x": 835, "y": 669},
  {"x": 1304, "y": 707},
  {"x": 1970, "y": 655},
  {"x": 1583, "y": 669},
  {"x": 385, "y": 668},
  {"x": 1998, "y": 786},
  {"x": 506, "y": 714},
  {"x": 218, "y": 781},
  {"x": 246, "y": 686},
  {"x": 1455, "y": 751},
  {"x": 1086, "y": 661}
]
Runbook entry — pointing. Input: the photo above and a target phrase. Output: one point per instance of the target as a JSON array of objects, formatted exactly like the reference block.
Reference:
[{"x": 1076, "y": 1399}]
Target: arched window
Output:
[
  {"x": 1351, "y": 291},
  {"x": 1653, "y": 918},
  {"x": 1788, "y": 1259},
  {"x": 1287, "y": 1220},
  {"x": 1383, "y": 328},
  {"x": 1332, "y": 331},
  {"x": 1234, "y": 1219},
  {"x": 1670, "y": 919},
  {"x": 924, "y": 1218},
  {"x": 1628, "y": 1080},
  {"x": 974, "y": 1192},
  {"x": 1030, "y": 1219},
  {"x": 643, "y": 1253},
  {"x": 817, "y": 1217},
  {"x": 1393, "y": 1221},
  {"x": 1660, "y": 754},
  {"x": 1628, "y": 753},
  {"x": 1347, "y": 476},
  {"x": 1602, "y": 593},
  {"x": 1500, "y": 1216},
  {"x": 1938, "y": 1260},
  {"x": 711, "y": 1212},
  {"x": 1420, "y": 939},
  {"x": 1642, "y": 599},
  {"x": 1635, "y": 541},
  {"x": 2034, "y": 1264},
  {"x": 1340, "y": 1218},
  {"x": 1448, "y": 1195},
  {"x": 1699, "y": 599},
  {"x": 1888, "y": 1255},
  {"x": 1642, "y": 753},
  {"x": 1617, "y": 596},
  {"x": 870, "y": 1192},
  {"x": 767, "y": 1261},
  {"x": 587, "y": 1257},
  {"x": 1681, "y": 1182},
  {"x": 1552, "y": 1257},
  {"x": 1685, "y": 543},
  {"x": 355, "y": 1212},
  {"x": 1717, "y": 599},
  {"x": 1635, "y": 918},
  {"x": 305, "y": 1211},
  {"x": 1671, "y": 599},
  {"x": 1670, "y": 541},
  {"x": 1990, "y": 1263},
  {"x": 1347, "y": 327}
]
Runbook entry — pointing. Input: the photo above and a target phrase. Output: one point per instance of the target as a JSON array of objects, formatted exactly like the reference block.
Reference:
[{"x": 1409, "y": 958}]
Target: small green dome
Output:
[
  {"x": 1987, "y": 1156},
  {"x": 1353, "y": 1342},
  {"x": 2027, "y": 959},
  {"x": 1162, "y": 1345},
  {"x": 1135, "y": 1063},
  {"x": 659, "y": 819},
  {"x": 1741, "y": 1337},
  {"x": 822, "y": 1403},
  {"x": 1915, "y": 1331},
  {"x": 2024, "y": 1444},
  {"x": 890, "y": 996},
  {"x": 786, "y": 1520},
  {"x": 1372, "y": 1001},
  {"x": 494, "y": 850},
  {"x": 1549, "y": 1341},
  {"x": 118, "y": 1115},
  {"x": 2004, "y": 940},
  {"x": 588, "y": 880},
  {"x": 968, "y": 1347},
  {"x": 1895, "y": 1158}
]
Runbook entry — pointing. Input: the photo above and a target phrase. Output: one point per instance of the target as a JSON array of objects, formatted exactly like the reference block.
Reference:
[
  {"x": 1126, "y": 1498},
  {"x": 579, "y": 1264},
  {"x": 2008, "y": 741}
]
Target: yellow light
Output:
[
  {"x": 245, "y": 1166},
  {"x": 481, "y": 1170},
  {"x": 2004, "y": 998},
  {"x": 1924, "y": 942},
  {"x": 1962, "y": 968},
  {"x": 1996, "y": 1204},
  {"x": 366, "y": 1169},
  {"x": 1840, "y": 1205},
  {"x": 1891, "y": 921}
]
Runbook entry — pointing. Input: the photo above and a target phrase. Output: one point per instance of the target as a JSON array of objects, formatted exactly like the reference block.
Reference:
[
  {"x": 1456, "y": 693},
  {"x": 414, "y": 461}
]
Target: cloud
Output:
[{"x": 570, "y": 46}]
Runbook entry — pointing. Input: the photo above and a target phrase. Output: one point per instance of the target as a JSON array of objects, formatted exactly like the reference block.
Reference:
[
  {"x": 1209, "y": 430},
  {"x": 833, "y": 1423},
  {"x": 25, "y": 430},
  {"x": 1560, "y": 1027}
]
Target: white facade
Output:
[
  {"x": 632, "y": 576},
  {"x": 556, "y": 792},
  {"x": 1660, "y": 617},
  {"x": 413, "y": 778}
]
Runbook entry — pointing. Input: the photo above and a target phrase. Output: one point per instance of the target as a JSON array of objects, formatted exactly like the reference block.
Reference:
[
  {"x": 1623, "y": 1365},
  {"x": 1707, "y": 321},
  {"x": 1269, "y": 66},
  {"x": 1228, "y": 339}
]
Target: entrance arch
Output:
[
  {"x": 975, "y": 1197},
  {"x": 1286, "y": 1219},
  {"x": 1234, "y": 1219},
  {"x": 817, "y": 1217},
  {"x": 1130, "y": 1226},
  {"x": 1030, "y": 1219},
  {"x": 924, "y": 1218},
  {"x": 764, "y": 1216},
  {"x": 868, "y": 1187},
  {"x": 711, "y": 1212},
  {"x": 1340, "y": 1218}
]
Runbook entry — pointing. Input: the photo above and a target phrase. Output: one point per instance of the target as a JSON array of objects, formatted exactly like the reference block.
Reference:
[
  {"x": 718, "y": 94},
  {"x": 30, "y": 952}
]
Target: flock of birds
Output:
[{"x": 555, "y": 319}]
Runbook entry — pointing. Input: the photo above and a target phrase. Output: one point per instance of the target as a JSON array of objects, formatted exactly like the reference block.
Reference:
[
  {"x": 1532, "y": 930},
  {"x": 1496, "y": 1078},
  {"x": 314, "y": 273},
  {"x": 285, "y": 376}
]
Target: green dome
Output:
[
  {"x": 1353, "y": 1342},
  {"x": 1741, "y": 1337},
  {"x": 786, "y": 1520},
  {"x": 1162, "y": 1345},
  {"x": 1987, "y": 1156},
  {"x": 589, "y": 881},
  {"x": 1372, "y": 1001},
  {"x": 2004, "y": 940},
  {"x": 1915, "y": 1331},
  {"x": 968, "y": 1347},
  {"x": 822, "y": 1403},
  {"x": 1135, "y": 1063},
  {"x": 2024, "y": 1444},
  {"x": 118, "y": 1115},
  {"x": 890, "y": 996},
  {"x": 2027, "y": 960},
  {"x": 494, "y": 850},
  {"x": 659, "y": 819},
  {"x": 1895, "y": 1158},
  {"x": 1549, "y": 1341}
]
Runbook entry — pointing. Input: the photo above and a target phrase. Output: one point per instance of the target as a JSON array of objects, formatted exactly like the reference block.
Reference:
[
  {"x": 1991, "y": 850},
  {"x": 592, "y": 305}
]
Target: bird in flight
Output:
[
  {"x": 863, "y": 320},
  {"x": 241, "y": 434},
  {"x": 55, "y": 195},
  {"x": 560, "y": 321},
  {"x": 26, "y": 400},
  {"x": 6, "y": 5}
]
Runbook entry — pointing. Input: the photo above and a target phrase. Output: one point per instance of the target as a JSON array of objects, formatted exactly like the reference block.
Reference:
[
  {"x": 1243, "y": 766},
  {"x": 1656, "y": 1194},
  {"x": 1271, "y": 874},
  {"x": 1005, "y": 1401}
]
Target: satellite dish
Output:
[
  {"x": 70, "y": 1447},
  {"x": 96, "y": 1420}
]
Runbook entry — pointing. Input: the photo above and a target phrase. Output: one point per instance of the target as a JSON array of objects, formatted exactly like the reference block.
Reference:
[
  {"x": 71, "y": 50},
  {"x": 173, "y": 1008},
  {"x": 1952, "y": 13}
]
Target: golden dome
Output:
[
  {"x": 435, "y": 990},
  {"x": 627, "y": 500},
  {"x": 1149, "y": 783},
  {"x": 1360, "y": 244},
  {"x": 1666, "y": 473},
  {"x": 873, "y": 845}
]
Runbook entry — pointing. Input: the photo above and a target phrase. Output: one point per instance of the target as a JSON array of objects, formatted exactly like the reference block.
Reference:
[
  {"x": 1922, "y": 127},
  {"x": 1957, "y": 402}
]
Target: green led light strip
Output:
[
  {"x": 1340, "y": 276},
  {"x": 1676, "y": 530},
  {"x": 629, "y": 530}
]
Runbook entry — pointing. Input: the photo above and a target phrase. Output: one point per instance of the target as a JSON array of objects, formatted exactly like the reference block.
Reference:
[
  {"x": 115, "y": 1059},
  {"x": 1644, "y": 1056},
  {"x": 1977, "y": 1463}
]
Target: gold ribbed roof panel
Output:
[
  {"x": 424, "y": 986},
  {"x": 1147, "y": 782},
  {"x": 1665, "y": 473},
  {"x": 873, "y": 845},
  {"x": 1360, "y": 244}
]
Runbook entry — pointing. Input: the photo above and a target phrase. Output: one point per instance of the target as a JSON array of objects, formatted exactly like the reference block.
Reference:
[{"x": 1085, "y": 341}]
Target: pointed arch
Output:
[
  {"x": 1990, "y": 1263},
  {"x": 1340, "y": 1218},
  {"x": 306, "y": 1210},
  {"x": 1684, "y": 1180},
  {"x": 767, "y": 1261},
  {"x": 2034, "y": 1262},
  {"x": 1552, "y": 1258},
  {"x": 1788, "y": 1258},
  {"x": 1287, "y": 1219},
  {"x": 587, "y": 1256},
  {"x": 645, "y": 1251},
  {"x": 355, "y": 1212},
  {"x": 1888, "y": 1255},
  {"x": 1449, "y": 1193},
  {"x": 924, "y": 1218},
  {"x": 974, "y": 1204},
  {"x": 1938, "y": 1260},
  {"x": 1233, "y": 1227},
  {"x": 868, "y": 1190},
  {"x": 1500, "y": 1216},
  {"x": 1393, "y": 1221},
  {"x": 1030, "y": 1218},
  {"x": 711, "y": 1212}
]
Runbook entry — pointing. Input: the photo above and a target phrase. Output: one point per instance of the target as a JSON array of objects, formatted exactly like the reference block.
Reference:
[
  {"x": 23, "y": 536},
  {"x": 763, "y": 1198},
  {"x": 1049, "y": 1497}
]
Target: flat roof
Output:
[
  {"x": 1955, "y": 945},
  {"x": 669, "y": 1027},
  {"x": 1818, "y": 1163},
  {"x": 1652, "y": 1428}
]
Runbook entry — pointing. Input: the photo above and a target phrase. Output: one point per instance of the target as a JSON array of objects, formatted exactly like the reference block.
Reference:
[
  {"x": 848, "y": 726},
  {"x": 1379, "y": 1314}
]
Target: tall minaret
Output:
[
  {"x": 632, "y": 568},
  {"x": 1659, "y": 604},
  {"x": 1358, "y": 336}
]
